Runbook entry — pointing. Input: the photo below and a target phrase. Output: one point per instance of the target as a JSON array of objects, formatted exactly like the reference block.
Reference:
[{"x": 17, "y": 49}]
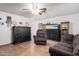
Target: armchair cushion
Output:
[
  {"x": 40, "y": 40},
  {"x": 66, "y": 44},
  {"x": 41, "y": 33},
  {"x": 68, "y": 38},
  {"x": 60, "y": 51}
]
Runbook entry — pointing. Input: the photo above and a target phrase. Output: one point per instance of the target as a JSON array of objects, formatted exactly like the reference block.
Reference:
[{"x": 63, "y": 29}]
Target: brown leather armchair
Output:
[{"x": 40, "y": 38}]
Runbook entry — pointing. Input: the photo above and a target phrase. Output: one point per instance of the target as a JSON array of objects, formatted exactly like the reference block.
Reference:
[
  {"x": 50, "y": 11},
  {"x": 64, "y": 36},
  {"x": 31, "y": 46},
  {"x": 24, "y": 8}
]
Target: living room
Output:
[{"x": 28, "y": 28}]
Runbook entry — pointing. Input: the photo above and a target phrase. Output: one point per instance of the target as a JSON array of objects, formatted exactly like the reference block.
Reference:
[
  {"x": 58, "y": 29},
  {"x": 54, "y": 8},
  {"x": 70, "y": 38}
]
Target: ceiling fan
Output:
[
  {"x": 36, "y": 10},
  {"x": 43, "y": 10}
]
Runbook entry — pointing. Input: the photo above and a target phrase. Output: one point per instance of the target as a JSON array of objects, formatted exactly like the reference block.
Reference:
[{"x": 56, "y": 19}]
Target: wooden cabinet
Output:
[
  {"x": 21, "y": 34},
  {"x": 64, "y": 26},
  {"x": 53, "y": 34}
]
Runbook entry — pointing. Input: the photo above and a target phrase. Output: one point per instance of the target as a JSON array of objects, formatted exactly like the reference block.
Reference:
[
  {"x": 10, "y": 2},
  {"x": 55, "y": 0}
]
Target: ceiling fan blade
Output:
[
  {"x": 25, "y": 9},
  {"x": 43, "y": 9}
]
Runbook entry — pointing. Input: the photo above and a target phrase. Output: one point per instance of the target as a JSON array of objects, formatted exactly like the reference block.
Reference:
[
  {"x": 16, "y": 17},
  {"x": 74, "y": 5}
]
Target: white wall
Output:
[
  {"x": 73, "y": 19},
  {"x": 5, "y": 32}
]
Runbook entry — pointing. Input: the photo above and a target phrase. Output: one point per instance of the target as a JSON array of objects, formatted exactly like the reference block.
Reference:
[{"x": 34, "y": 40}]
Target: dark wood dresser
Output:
[
  {"x": 54, "y": 34},
  {"x": 21, "y": 34}
]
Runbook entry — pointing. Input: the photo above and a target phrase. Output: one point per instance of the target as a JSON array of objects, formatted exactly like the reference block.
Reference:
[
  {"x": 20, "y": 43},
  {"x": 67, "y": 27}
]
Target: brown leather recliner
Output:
[
  {"x": 68, "y": 47},
  {"x": 40, "y": 38}
]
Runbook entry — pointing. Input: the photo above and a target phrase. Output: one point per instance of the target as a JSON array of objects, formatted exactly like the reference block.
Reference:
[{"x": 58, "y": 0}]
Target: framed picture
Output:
[
  {"x": 8, "y": 21},
  {"x": 20, "y": 23},
  {"x": 1, "y": 23},
  {"x": 0, "y": 18},
  {"x": 26, "y": 23}
]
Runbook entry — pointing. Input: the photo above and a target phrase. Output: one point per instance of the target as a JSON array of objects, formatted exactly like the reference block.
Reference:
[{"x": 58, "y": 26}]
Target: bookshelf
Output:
[{"x": 64, "y": 27}]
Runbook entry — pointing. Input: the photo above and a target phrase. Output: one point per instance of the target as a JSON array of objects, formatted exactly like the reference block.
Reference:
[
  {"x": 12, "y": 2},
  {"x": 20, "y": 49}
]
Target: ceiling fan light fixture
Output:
[{"x": 35, "y": 9}]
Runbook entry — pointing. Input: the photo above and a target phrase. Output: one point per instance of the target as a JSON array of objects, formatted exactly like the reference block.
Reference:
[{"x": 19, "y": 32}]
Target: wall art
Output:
[
  {"x": 8, "y": 21},
  {"x": 1, "y": 23},
  {"x": 26, "y": 23},
  {"x": 20, "y": 23},
  {"x": 0, "y": 18}
]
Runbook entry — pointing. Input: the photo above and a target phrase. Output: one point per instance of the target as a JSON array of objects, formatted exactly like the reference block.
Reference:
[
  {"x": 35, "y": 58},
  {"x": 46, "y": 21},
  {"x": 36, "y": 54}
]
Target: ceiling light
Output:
[{"x": 35, "y": 9}]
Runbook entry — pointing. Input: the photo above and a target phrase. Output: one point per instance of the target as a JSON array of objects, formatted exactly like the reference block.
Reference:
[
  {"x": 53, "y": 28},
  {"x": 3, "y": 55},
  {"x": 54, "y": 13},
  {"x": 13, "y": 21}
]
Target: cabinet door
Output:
[
  {"x": 22, "y": 34},
  {"x": 28, "y": 33},
  {"x": 49, "y": 33},
  {"x": 16, "y": 35},
  {"x": 56, "y": 34},
  {"x": 53, "y": 34}
]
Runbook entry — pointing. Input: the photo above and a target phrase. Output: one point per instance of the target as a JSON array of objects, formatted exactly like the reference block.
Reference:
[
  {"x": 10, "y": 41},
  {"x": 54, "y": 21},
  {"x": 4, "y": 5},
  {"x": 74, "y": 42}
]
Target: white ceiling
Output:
[{"x": 53, "y": 9}]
